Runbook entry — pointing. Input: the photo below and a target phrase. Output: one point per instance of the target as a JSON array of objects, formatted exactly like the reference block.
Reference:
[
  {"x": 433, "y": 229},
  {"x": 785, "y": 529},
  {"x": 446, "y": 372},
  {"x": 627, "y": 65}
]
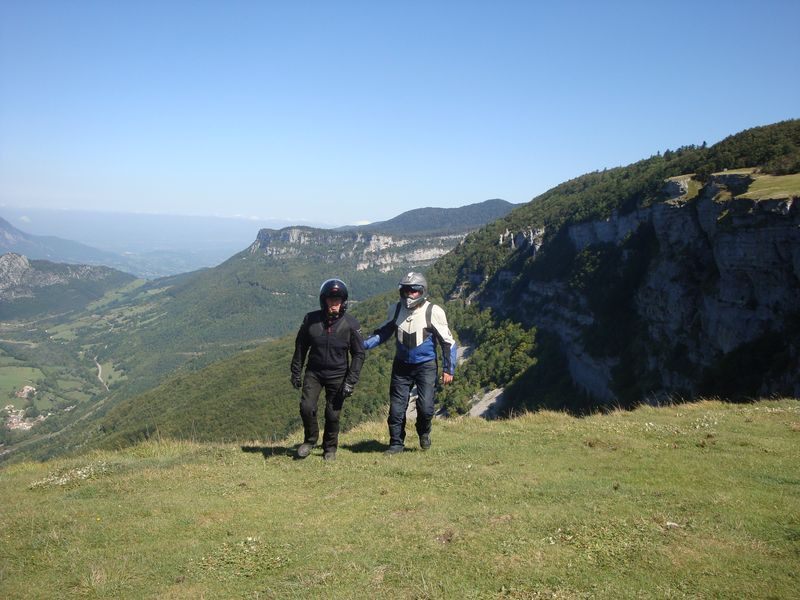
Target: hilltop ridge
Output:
[{"x": 429, "y": 220}]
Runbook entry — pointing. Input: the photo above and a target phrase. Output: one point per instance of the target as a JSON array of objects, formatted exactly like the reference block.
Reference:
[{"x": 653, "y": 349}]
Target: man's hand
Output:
[
  {"x": 296, "y": 383},
  {"x": 446, "y": 378},
  {"x": 344, "y": 392}
]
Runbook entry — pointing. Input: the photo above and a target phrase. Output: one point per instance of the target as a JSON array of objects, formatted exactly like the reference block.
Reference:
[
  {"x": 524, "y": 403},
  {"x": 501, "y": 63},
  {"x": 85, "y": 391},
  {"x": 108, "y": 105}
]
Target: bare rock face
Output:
[
  {"x": 12, "y": 269},
  {"x": 722, "y": 272},
  {"x": 365, "y": 250},
  {"x": 676, "y": 187},
  {"x": 21, "y": 278},
  {"x": 721, "y": 286},
  {"x": 13, "y": 273}
]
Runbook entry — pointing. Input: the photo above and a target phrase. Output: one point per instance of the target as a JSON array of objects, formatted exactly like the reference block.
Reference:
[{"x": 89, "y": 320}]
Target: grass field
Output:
[
  {"x": 111, "y": 374},
  {"x": 692, "y": 501},
  {"x": 774, "y": 186},
  {"x": 13, "y": 379},
  {"x": 9, "y": 361},
  {"x": 116, "y": 294}
]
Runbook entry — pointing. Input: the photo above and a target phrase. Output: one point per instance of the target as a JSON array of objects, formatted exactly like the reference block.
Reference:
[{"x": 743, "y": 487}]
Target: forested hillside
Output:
[
  {"x": 773, "y": 149},
  {"x": 441, "y": 221},
  {"x": 140, "y": 332}
]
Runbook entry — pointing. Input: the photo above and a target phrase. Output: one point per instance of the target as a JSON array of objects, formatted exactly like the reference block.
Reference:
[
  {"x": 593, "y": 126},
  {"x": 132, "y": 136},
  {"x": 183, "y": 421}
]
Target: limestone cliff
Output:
[
  {"x": 693, "y": 289},
  {"x": 29, "y": 287},
  {"x": 364, "y": 250},
  {"x": 20, "y": 277}
]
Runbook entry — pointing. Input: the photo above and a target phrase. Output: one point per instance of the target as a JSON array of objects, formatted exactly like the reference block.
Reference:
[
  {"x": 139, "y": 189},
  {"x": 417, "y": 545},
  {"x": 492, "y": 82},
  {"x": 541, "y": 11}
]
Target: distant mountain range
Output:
[
  {"x": 440, "y": 221},
  {"x": 148, "y": 261},
  {"x": 53, "y": 248},
  {"x": 152, "y": 246}
]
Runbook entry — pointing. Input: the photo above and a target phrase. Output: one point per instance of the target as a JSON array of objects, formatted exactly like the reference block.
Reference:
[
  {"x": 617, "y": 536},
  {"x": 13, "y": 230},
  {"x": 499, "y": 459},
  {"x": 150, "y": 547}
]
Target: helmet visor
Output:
[{"x": 405, "y": 290}]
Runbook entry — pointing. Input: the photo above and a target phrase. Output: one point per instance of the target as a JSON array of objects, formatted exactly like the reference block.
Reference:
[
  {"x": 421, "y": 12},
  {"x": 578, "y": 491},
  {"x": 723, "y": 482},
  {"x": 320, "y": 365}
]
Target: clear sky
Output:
[{"x": 344, "y": 112}]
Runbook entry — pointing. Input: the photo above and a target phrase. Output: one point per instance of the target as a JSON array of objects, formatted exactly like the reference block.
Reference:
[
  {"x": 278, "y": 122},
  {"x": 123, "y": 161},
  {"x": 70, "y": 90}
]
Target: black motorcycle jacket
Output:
[{"x": 334, "y": 348}]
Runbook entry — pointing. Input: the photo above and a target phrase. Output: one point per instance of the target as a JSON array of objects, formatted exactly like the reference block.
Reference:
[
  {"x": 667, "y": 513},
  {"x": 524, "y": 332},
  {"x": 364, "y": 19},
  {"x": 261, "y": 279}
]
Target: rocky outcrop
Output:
[
  {"x": 722, "y": 272},
  {"x": 676, "y": 187},
  {"x": 365, "y": 250},
  {"x": 13, "y": 269},
  {"x": 21, "y": 278}
]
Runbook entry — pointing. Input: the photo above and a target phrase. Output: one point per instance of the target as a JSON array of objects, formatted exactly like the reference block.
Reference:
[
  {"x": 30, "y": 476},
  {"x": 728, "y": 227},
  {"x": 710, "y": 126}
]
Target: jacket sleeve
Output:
[
  {"x": 384, "y": 332},
  {"x": 301, "y": 345},
  {"x": 445, "y": 339},
  {"x": 357, "y": 353}
]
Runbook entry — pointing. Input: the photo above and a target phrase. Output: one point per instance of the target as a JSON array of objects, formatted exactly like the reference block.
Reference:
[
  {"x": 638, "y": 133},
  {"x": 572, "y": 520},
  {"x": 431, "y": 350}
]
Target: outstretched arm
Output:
[{"x": 384, "y": 332}]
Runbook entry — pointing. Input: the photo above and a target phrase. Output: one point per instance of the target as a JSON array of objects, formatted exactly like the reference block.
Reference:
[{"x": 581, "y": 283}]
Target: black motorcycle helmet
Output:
[{"x": 333, "y": 288}]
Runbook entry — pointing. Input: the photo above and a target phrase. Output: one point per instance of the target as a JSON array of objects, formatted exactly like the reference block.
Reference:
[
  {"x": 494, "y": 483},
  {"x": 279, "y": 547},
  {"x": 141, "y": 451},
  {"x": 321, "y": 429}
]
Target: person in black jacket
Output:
[{"x": 333, "y": 344}]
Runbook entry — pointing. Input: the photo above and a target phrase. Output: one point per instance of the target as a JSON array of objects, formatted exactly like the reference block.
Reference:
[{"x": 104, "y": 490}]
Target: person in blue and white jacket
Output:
[{"x": 417, "y": 326}]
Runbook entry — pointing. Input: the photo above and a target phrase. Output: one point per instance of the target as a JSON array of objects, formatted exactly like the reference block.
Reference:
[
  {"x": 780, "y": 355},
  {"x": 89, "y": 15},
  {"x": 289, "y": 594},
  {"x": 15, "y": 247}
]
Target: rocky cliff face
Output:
[
  {"x": 710, "y": 279},
  {"x": 364, "y": 250},
  {"x": 21, "y": 278}
]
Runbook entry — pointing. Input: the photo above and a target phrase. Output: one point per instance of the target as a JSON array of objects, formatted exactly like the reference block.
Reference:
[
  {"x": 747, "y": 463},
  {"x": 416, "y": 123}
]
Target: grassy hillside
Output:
[{"x": 699, "y": 500}]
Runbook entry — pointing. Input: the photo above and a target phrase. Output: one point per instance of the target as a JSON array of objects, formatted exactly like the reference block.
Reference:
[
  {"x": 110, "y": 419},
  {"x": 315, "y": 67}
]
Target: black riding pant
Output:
[
  {"x": 312, "y": 387},
  {"x": 404, "y": 377}
]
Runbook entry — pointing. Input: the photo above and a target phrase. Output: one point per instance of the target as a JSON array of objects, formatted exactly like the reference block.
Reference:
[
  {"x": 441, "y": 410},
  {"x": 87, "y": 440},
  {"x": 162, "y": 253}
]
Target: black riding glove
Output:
[
  {"x": 347, "y": 390},
  {"x": 296, "y": 382}
]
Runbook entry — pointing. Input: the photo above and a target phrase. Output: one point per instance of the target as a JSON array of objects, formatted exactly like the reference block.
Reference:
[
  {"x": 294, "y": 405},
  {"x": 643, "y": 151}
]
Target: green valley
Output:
[{"x": 142, "y": 332}]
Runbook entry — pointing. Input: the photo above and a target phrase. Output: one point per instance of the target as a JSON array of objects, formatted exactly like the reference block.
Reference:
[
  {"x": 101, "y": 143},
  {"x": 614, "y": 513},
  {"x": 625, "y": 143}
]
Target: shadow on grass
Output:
[
  {"x": 278, "y": 451},
  {"x": 366, "y": 446},
  {"x": 272, "y": 451}
]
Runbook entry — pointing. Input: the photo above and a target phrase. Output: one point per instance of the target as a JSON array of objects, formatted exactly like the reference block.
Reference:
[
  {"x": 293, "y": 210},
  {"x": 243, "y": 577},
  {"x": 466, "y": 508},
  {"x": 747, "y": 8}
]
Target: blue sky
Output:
[{"x": 344, "y": 112}]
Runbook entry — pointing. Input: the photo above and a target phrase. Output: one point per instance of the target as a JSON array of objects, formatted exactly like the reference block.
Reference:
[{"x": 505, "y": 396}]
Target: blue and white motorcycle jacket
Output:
[{"x": 416, "y": 331}]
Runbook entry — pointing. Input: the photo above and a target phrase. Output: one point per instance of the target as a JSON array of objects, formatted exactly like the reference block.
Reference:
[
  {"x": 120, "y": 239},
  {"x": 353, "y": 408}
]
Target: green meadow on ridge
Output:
[{"x": 685, "y": 501}]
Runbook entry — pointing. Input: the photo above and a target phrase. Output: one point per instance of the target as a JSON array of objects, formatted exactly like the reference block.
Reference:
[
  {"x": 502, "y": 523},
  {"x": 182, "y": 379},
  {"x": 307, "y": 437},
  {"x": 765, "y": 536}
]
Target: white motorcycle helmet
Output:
[{"x": 416, "y": 282}]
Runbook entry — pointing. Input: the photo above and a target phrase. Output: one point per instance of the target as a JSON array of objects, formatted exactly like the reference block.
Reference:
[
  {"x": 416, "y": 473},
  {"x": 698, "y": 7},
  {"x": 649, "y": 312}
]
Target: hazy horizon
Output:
[
  {"x": 122, "y": 232},
  {"x": 347, "y": 112}
]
